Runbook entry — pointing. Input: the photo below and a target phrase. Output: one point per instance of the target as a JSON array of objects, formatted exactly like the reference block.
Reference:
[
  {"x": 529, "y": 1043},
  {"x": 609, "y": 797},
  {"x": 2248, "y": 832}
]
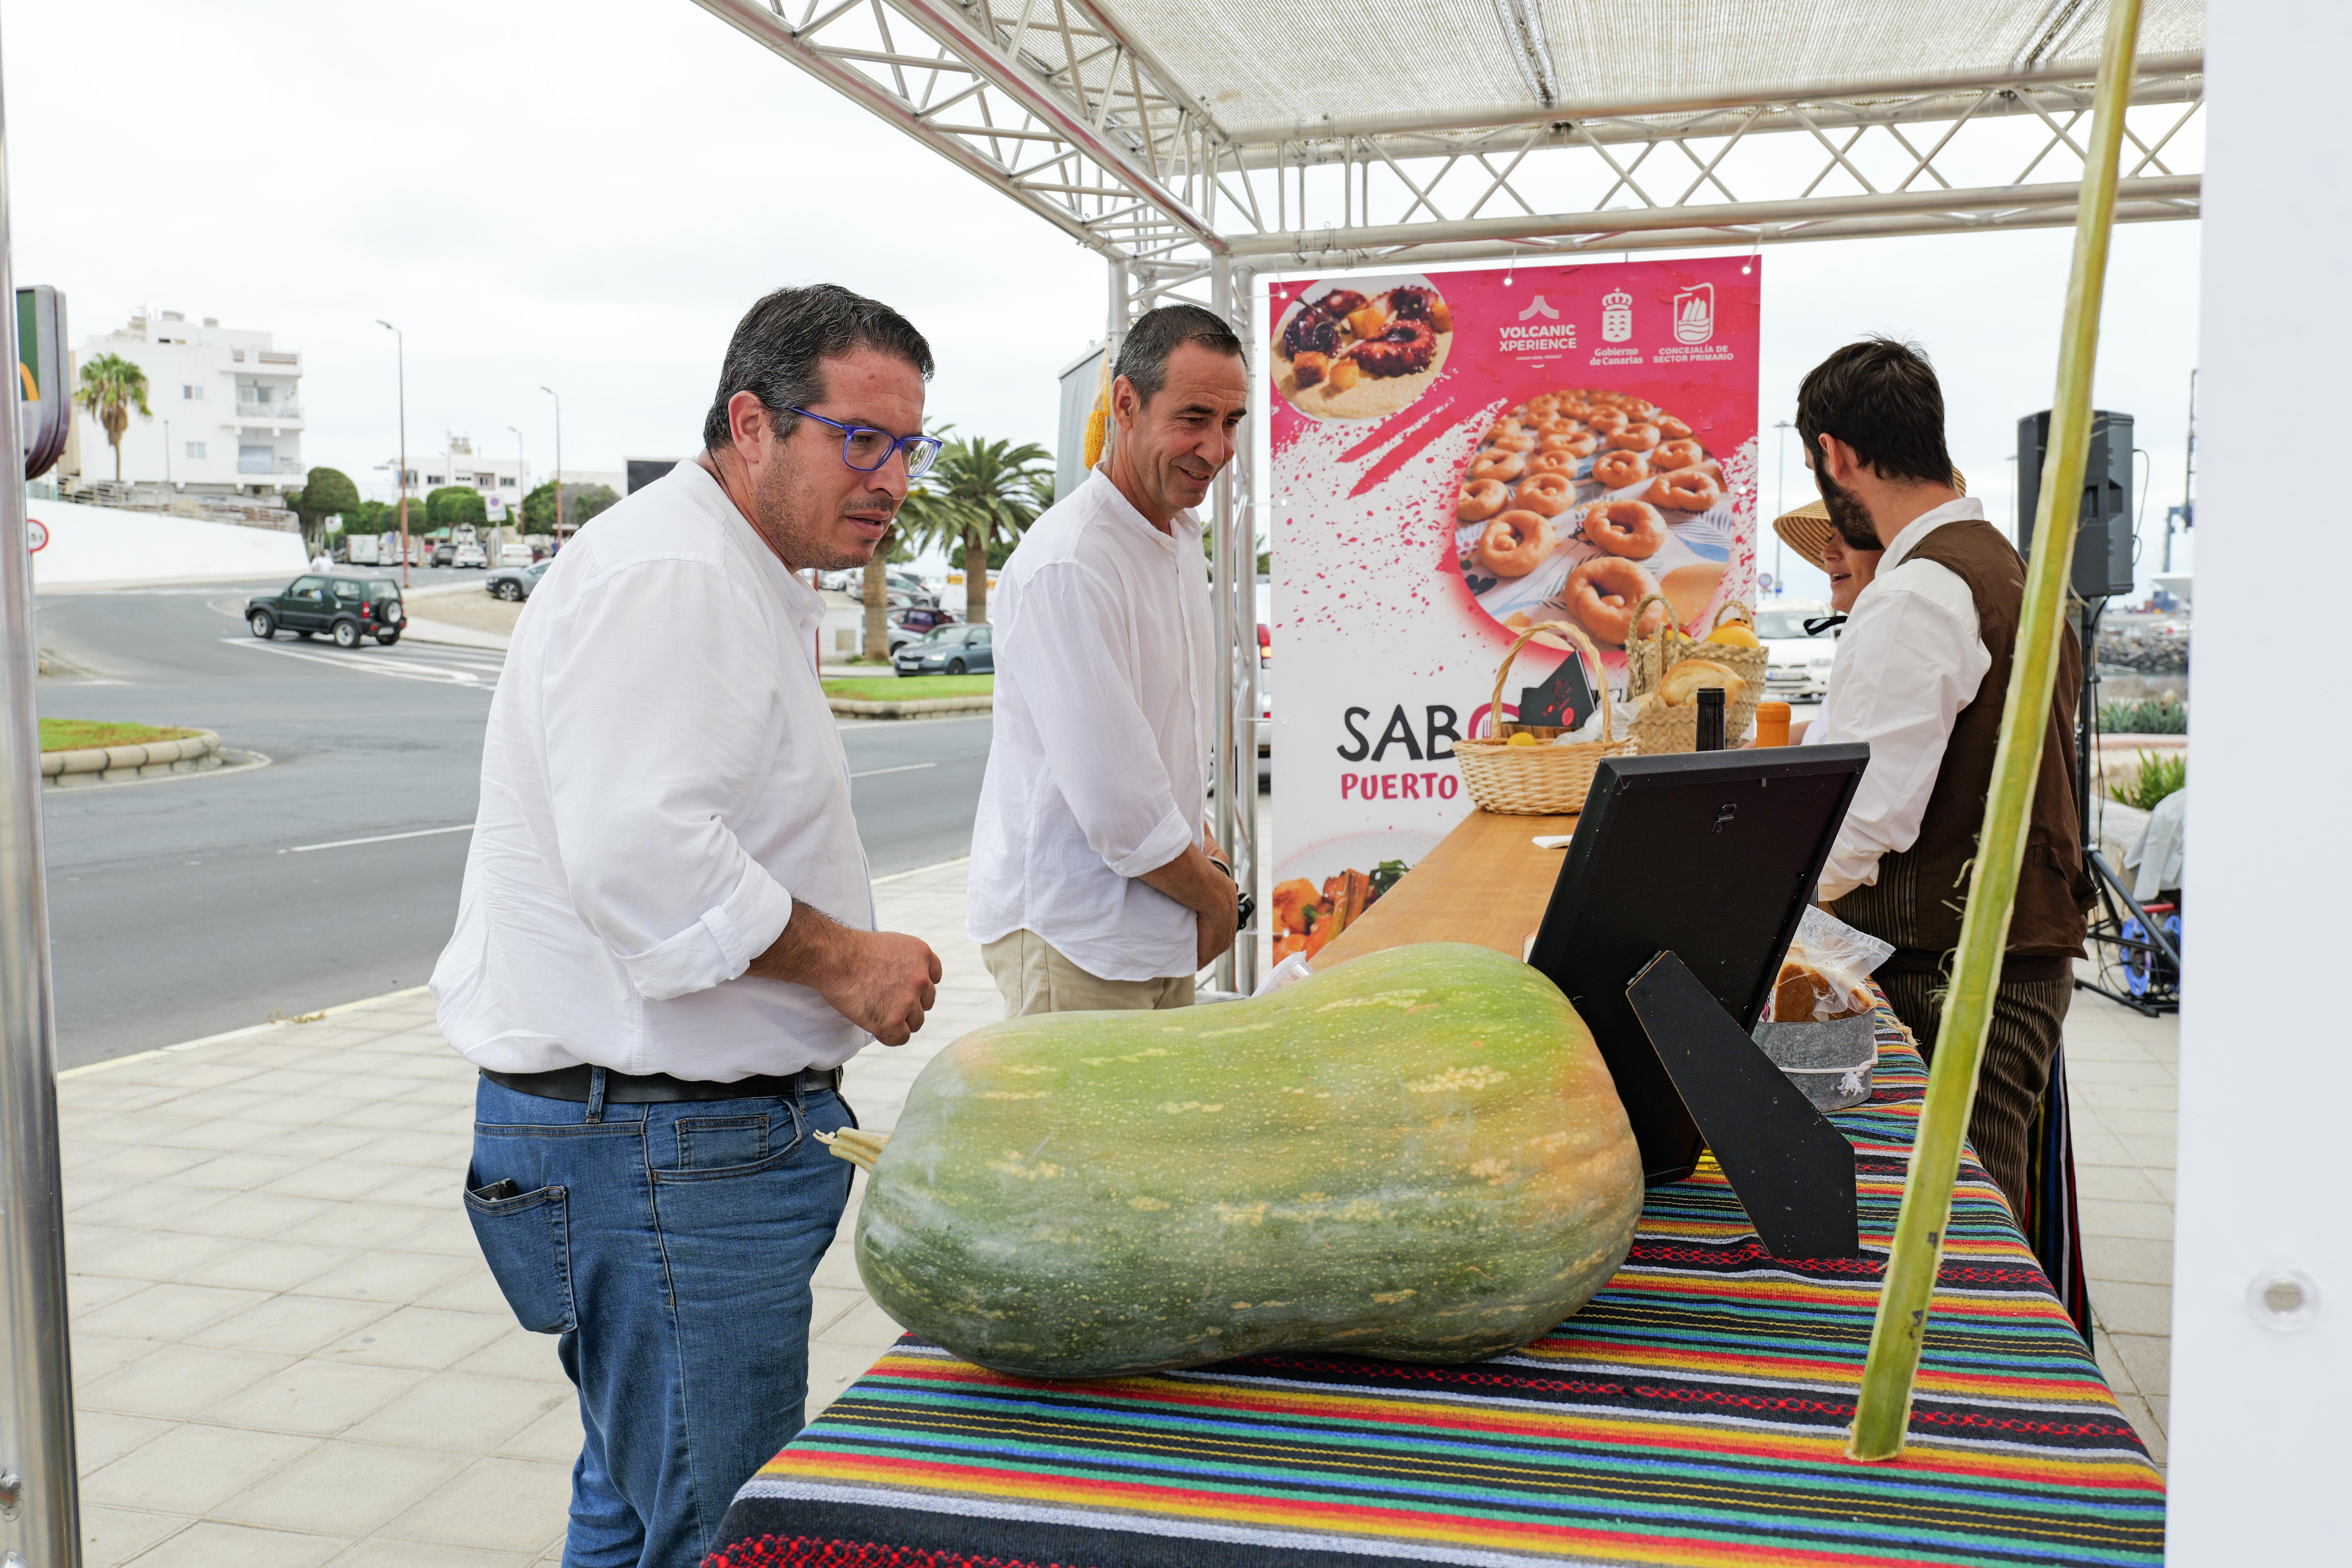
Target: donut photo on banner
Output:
[
  {"x": 1361, "y": 353},
  {"x": 1579, "y": 503}
]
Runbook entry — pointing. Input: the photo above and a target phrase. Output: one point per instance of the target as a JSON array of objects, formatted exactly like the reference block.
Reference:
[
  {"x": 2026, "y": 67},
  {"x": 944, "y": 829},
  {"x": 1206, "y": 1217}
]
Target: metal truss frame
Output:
[{"x": 1051, "y": 102}]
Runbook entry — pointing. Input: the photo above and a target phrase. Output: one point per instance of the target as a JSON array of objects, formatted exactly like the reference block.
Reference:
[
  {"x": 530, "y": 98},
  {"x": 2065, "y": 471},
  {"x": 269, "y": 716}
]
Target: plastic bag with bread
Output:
[{"x": 1827, "y": 972}]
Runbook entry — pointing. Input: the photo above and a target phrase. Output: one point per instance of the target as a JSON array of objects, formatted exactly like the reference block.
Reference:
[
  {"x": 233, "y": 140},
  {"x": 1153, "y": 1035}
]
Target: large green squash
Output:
[{"x": 1418, "y": 1154}]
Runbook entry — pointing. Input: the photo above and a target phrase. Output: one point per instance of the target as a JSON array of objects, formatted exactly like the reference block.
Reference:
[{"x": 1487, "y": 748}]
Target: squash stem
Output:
[
  {"x": 854, "y": 1145},
  {"x": 1883, "y": 1412}
]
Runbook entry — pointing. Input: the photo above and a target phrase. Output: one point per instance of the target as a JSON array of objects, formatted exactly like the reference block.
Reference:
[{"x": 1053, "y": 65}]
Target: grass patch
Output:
[
  {"x": 2158, "y": 776},
  {"x": 88, "y": 734},
  {"x": 912, "y": 687}
]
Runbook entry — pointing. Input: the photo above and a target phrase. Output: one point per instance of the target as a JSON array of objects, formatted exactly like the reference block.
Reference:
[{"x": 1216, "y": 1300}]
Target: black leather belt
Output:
[{"x": 659, "y": 1088}]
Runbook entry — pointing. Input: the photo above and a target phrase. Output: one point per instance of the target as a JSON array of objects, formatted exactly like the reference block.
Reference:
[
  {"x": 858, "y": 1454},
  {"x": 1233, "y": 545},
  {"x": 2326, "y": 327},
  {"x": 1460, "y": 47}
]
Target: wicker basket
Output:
[
  {"x": 1544, "y": 779},
  {"x": 1662, "y": 729}
]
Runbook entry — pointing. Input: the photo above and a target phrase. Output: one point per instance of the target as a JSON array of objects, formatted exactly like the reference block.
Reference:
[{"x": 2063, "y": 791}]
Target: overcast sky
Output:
[{"x": 587, "y": 195}]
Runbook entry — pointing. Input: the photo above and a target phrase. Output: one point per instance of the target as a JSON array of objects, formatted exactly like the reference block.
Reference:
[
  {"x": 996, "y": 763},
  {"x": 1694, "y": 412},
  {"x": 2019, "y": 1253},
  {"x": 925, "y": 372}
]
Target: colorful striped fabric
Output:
[{"x": 1693, "y": 1412}]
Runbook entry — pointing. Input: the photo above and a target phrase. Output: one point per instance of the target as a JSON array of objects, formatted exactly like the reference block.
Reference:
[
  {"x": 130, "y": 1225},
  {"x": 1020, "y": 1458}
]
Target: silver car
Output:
[{"x": 1797, "y": 667}]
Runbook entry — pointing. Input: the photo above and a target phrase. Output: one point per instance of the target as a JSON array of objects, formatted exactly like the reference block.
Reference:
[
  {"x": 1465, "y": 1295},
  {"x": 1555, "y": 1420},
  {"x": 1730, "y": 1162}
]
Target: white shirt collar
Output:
[
  {"x": 1113, "y": 502},
  {"x": 804, "y": 604},
  {"x": 1960, "y": 509}
]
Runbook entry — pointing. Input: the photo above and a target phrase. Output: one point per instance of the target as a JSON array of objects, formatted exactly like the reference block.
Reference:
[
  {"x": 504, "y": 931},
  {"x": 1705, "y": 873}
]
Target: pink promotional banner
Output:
[{"x": 1457, "y": 455}]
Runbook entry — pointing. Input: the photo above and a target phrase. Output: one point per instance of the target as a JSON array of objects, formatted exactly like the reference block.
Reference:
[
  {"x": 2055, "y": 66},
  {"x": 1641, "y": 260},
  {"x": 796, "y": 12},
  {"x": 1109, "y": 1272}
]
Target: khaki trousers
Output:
[{"x": 1035, "y": 978}]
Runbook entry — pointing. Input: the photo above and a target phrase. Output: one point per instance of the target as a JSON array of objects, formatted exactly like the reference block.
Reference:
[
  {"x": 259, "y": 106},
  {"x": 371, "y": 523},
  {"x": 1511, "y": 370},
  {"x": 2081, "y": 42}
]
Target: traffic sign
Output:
[{"x": 36, "y": 533}]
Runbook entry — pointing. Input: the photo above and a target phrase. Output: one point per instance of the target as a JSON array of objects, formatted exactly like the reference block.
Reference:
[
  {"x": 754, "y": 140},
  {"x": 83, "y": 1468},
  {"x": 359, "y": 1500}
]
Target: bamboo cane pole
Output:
[{"x": 1883, "y": 1409}]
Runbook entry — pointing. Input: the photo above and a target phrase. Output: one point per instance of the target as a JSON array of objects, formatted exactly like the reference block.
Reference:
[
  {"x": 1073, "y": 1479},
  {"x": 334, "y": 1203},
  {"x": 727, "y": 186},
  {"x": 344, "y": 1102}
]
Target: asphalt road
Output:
[{"x": 194, "y": 905}]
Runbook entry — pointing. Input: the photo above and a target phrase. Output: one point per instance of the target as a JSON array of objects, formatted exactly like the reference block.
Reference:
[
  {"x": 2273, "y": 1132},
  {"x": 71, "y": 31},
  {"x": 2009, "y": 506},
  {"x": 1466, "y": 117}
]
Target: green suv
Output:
[{"x": 346, "y": 608}]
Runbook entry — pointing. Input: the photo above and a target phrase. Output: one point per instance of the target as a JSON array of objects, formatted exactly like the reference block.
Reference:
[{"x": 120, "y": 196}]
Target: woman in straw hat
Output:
[{"x": 1809, "y": 531}]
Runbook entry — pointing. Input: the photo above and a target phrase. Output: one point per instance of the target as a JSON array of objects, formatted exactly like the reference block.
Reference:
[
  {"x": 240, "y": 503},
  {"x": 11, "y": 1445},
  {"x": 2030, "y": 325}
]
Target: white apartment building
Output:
[
  {"x": 460, "y": 461},
  {"x": 225, "y": 406}
]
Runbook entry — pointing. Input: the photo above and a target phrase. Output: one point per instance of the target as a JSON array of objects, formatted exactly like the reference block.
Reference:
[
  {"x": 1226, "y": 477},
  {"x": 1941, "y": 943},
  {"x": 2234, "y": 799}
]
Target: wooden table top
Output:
[{"x": 1485, "y": 883}]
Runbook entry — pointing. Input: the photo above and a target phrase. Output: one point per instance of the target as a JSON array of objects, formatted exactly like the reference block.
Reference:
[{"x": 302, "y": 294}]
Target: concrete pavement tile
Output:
[
  {"x": 253, "y": 1216},
  {"x": 2150, "y": 1359},
  {"x": 86, "y": 1293},
  {"x": 173, "y": 1312},
  {"x": 341, "y": 1487},
  {"x": 831, "y": 1304},
  {"x": 443, "y": 1064},
  {"x": 179, "y": 1381},
  {"x": 461, "y": 1412},
  {"x": 2128, "y": 1183},
  {"x": 2105, "y": 1216},
  {"x": 2127, "y": 1071},
  {"x": 519, "y": 1352},
  {"x": 839, "y": 1268},
  {"x": 834, "y": 1367},
  {"x": 2127, "y": 1122},
  {"x": 95, "y": 1355},
  {"x": 190, "y": 1468},
  {"x": 362, "y": 1224},
  {"x": 390, "y": 1275},
  {"x": 241, "y": 1173},
  {"x": 430, "y": 1338},
  {"x": 235, "y": 1104},
  {"x": 431, "y": 1185},
  {"x": 89, "y": 1240},
  {"x": 2165, "y": 1181},
  {"x": 340, "y": 1179},
  {"x": 135, "y": 1162},
  {"x": 210, "y": 1544},
  {"x": 449, "y": 1231},
  {"x": 554, "y": 1437},
  {"x": 392, "y": 1114},
  {"x": 304, "y": 1110},
  {"x": 315, "y": 1396},
  {"x": 156, "y": 1255},
  {"x": 322, "y": 1142},
  {"x": 183, "y": 1071},
  {"x": 2095, "y": 1145},
  {"x": 448, "y": 1092},
  {"x": 226, "y": 1135},
  {"x": 2129, "y": 1309},
  {"x": 294, "y": 1324},
  {"x": 420, "y": 1555},
  {"x": 269, "y": 1265},
  {"x": 143, "y": 1205},
  {"x": 77, "y": 1192},
  {"x": 2130, "y": 1259},
  {"x": 2160, "y": 1406},
  {"x": 293, "y": 1083},
  {"x": 100, "y": 1436},
  {"x": 2144, "y": 1422},
  {"x": 472, "y": 1290},
  {"x": 113, "y": 1536},
  {"x": 518, "y": 1505},
  {"x": 439, "y": 1151},
  {"x": 864, "y": 1324},
  {"x": 2155, "y": 1152}
]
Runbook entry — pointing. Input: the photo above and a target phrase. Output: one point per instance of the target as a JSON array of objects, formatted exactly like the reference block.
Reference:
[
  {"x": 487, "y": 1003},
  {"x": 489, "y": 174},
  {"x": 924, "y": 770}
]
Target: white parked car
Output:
[
  {"x": 468, "y": 553},
  {"x": 1798, "y": 667}
]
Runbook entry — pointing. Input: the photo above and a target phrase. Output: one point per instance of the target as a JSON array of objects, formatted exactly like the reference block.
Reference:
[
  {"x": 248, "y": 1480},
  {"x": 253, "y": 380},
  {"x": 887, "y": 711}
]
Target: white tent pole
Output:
[
  {"x": 41, "y": 1502},
  {"x": 1241, "y": 526},
  {"x": 1230, "y": 774}
]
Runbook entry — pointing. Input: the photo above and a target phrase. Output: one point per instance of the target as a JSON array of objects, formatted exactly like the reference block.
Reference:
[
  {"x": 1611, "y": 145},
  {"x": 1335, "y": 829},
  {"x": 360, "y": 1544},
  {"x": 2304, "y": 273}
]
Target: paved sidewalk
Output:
[{"x": 288, "y": 1352}]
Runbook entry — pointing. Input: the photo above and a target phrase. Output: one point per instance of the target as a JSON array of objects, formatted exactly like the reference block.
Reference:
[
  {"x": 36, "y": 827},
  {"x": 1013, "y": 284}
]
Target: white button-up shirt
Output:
[
  {"x": 662, "y": 778},
  {"x": 1099, "y": 770},
  {"x": 1908, "y": 660}
]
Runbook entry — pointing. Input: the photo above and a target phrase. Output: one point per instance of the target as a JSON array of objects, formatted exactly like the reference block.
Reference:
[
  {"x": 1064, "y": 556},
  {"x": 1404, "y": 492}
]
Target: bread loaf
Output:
[
  {"x": 1684, "y": 681},
  {"x": 1805, "y": 994}
]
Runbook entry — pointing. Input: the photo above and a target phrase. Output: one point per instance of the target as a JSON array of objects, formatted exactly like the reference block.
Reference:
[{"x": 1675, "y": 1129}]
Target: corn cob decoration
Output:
[
  {"x": 855, "y": 1145},
  {"x": 1098, "y": 418}
]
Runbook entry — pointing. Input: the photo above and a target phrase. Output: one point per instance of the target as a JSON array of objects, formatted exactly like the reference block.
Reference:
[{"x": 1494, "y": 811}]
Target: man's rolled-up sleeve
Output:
[
  {"x": 1104, "y": 755},
  {"x": 658, "y": 716}
]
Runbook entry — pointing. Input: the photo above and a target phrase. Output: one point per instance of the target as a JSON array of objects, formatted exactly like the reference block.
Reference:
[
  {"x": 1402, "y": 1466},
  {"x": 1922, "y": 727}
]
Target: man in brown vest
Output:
[{"x": 1922, "y": 674}]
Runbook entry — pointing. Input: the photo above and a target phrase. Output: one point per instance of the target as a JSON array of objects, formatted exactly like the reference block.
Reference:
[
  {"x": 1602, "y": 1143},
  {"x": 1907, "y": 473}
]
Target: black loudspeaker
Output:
[{"x": 2104, "y": 540}]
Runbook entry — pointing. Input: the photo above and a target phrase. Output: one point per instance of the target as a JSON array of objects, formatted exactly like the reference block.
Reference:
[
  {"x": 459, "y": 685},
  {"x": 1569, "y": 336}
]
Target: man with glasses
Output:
[
  {"x": 665, "y": 948},
  {"x": 1095, "y": 883}
]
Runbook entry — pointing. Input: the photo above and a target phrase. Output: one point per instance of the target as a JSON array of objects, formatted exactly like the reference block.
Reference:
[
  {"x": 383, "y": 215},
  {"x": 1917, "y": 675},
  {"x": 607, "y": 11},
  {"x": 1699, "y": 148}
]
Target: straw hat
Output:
[{"x": 1806, "y": 529}]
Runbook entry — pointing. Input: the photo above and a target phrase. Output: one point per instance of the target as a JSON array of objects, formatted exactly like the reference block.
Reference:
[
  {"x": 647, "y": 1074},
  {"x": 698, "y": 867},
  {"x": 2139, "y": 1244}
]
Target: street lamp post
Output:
[
  {"x": 1780, "y": 509},
  {"x": 522, "y": 486},
  {"x": 559, "y": 462},
  {"x": 402, "y": 353}
]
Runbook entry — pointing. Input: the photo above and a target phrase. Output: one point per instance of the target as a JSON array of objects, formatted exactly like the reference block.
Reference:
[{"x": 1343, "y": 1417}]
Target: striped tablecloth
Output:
[{"x": 1693, "y": 1412}]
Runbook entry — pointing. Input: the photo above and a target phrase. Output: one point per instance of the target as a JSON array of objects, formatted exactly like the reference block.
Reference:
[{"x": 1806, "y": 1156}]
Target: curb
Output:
[
  {"x": 929, "y": 708},
  {"x": 244, "y": 1033},
  {"x": 115, "y": 765}
]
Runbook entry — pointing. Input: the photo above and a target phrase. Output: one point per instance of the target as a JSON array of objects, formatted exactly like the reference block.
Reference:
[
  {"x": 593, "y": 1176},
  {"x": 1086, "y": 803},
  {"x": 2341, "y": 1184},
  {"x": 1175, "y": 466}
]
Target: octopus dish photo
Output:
[
  {"x": 1580, "y": 501},
  {"x": 1344, "y": 354}
]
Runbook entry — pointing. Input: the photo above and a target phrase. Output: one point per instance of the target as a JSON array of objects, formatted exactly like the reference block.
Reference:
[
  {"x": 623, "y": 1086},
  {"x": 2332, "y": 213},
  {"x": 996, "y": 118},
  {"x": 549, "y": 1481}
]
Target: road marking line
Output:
[
  {"x": 407, "y": 669},
  {"x": 378, "y": 838},
  {"x": 909, "y": 768}
]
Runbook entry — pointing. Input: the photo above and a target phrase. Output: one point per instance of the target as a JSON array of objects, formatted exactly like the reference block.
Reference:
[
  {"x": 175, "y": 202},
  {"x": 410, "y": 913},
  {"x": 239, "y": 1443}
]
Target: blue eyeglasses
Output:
[{"x": 865, "y": 448}]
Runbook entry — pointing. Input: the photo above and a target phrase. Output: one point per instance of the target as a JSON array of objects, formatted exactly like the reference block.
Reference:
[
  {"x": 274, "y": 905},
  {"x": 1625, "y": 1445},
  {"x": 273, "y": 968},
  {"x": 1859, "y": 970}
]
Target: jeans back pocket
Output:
[{"x": 527, "y": 1242}]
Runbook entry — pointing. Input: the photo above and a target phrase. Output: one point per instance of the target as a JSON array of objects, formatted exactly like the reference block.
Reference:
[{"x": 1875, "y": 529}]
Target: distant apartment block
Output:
[{"x": 226, "y": 408}]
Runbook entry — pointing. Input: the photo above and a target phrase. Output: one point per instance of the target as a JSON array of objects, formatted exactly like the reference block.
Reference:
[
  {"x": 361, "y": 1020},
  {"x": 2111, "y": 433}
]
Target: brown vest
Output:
[{"x": 1921, "y": 892}]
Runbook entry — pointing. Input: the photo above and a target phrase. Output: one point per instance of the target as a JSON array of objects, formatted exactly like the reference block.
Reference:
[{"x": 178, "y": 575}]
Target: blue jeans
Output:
[{"x": 670, "y": 1247}]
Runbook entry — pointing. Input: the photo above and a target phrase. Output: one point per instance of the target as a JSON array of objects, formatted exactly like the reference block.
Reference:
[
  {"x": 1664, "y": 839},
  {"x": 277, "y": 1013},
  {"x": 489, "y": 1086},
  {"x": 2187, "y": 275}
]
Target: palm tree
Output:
[
  {"x": 112, "y": 388},
  {"x": 980, "y": 494}
]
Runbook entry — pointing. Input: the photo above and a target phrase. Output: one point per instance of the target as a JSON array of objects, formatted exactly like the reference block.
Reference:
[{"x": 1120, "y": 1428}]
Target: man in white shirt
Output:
[
  {"x": 1095, "y": 883},
  {"x": 1922, "y": 674},
  {"x": 322, "y": 562},
  {"x": 665, "y": 946}
]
